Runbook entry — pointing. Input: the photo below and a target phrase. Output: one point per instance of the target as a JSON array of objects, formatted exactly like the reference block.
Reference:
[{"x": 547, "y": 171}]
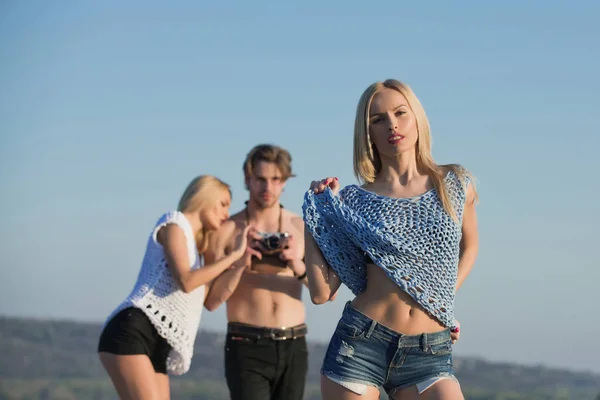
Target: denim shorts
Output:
[{"x": 365, "y": 352}]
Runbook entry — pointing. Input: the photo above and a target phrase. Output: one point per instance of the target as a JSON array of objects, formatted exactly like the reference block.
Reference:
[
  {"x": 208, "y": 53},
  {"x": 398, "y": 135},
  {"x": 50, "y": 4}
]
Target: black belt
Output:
[{"x": 255, "y": 332}]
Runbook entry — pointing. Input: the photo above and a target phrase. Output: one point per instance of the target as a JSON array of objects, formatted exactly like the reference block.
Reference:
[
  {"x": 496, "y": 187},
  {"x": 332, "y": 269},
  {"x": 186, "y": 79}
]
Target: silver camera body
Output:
[{"x": 273, "y": 242}]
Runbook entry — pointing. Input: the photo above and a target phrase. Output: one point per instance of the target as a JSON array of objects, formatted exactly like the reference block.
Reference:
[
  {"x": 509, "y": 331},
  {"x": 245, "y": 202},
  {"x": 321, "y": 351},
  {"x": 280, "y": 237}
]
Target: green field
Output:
[{"x": 57, "y": 360}]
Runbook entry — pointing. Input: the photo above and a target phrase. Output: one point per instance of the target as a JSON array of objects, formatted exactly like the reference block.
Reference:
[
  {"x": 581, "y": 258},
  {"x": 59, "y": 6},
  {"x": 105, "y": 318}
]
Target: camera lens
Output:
[{"x": 273, "y": 242}]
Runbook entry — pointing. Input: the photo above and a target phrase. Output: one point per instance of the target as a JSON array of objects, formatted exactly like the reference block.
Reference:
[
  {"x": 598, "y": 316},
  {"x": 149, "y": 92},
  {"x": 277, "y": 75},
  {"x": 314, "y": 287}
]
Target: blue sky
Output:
[{"x": 108, "y": 110}]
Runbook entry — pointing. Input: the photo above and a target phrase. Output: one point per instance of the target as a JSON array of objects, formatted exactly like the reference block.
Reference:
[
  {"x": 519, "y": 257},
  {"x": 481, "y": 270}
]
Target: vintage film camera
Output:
[{"x": 273, "y": 242}]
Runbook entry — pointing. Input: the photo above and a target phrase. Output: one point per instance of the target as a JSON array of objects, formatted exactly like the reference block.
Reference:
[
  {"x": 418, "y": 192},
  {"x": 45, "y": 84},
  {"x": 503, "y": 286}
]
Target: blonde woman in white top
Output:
[{"x": 151, "y": 333}]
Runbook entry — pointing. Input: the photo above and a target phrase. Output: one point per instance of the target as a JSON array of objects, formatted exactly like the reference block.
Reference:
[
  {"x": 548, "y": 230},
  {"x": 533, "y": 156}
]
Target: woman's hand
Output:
[
  {"x": 455, "y": 333},
  {"x": 244, "y": 252},
  {"x": 319, "y": 186}
]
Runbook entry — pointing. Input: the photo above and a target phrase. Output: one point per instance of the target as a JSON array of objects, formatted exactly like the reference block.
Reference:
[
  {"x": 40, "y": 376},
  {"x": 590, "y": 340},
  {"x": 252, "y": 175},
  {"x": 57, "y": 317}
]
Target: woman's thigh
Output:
[
  {"x": 133, "y": 376},
  {"x": 444, "y": 389},
  {"x": 164, "y": 389},
  {"x": 334, "y": 391}
]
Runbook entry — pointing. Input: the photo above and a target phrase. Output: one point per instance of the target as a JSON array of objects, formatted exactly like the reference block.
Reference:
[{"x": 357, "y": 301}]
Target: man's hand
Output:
[
  {"x": 298, "y": 267},
  {"x": 292, "y": 254},
  {"x": 291, "y": 250}
]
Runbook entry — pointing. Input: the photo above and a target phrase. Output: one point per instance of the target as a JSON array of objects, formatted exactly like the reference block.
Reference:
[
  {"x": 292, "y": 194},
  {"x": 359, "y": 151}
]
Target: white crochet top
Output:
[{"x": 174, "y": 313}]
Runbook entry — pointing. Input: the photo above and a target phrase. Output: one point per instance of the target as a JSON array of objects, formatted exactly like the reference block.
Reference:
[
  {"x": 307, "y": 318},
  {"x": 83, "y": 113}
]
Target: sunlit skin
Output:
[
  {"x": 268, "y": 294},
  {"x": 213, "y": 217},
  {"x": 134, "y": 376},
  {"x": 394, "y": 136},
  {"x": 265, "y": 185}
]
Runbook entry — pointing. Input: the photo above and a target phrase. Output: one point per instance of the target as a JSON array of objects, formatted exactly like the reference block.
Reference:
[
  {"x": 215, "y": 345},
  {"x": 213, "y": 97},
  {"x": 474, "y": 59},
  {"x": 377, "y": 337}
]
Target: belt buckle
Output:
[{"x": 273, "y": 335}]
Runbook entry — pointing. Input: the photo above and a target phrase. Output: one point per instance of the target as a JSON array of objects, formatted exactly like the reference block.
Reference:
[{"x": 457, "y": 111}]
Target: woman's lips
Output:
[{"x": 395, "y": 138}]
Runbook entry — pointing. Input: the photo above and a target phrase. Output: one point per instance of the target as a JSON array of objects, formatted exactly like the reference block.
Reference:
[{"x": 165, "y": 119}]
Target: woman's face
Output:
[
  {"x": 213, "y": 216},
  {"x": 392, "y": 124}
]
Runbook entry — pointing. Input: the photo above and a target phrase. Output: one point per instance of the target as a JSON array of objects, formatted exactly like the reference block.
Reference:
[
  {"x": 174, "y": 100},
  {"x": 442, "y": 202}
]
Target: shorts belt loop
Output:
[
  {"x": 371, "y": 329},
  {"x": 424, "y": 342}
]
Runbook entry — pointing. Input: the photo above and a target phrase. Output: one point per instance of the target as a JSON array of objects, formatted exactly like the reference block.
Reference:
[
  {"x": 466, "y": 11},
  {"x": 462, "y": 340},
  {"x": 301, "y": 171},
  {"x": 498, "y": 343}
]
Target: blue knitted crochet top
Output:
[{"x": 414, "y": 240}]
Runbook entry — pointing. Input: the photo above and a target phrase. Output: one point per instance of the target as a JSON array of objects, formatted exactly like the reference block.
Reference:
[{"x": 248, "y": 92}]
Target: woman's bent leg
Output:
[
  {"x": 443, "y": 389},
  {"x": 333, "y": 391},
  {"x": 164, "y": 389},
  {"x": 133, "y": 376}
]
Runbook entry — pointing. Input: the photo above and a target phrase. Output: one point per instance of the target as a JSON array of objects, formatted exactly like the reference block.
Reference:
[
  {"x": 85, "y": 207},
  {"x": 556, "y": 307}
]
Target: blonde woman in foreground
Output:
[
  {"x": 151, "y": 334},
  {"x": 403, "y": 243}
]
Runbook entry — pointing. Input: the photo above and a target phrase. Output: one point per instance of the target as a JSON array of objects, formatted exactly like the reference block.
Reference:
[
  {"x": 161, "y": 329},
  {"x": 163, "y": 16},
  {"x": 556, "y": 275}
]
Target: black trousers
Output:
[{"x": 263, "y": 369}]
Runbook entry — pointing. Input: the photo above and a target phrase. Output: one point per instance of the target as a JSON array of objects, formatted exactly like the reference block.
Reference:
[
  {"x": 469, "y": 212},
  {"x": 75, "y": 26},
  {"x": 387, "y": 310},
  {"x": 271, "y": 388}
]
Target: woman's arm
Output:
[
  {"x": 225, "y": 284},
  {"x": 323, "y": 283},
  {"x": 174, "y": 243},
  {"x": 223, "y": 287},
  {"x": 469, "y": 244}
]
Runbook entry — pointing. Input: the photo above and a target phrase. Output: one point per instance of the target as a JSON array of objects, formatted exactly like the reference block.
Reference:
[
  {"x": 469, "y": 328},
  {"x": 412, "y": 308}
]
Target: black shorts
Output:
[{"x": 131, "y": 332}]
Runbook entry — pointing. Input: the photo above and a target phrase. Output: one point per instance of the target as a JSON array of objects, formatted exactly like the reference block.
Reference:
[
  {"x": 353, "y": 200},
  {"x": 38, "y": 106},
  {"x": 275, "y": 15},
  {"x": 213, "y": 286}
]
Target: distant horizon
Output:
[{"x": 324, "y": 343}]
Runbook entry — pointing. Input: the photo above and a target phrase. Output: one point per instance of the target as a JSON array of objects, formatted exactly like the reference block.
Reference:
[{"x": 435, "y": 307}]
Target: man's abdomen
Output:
[{"x": 272, "y": 301}]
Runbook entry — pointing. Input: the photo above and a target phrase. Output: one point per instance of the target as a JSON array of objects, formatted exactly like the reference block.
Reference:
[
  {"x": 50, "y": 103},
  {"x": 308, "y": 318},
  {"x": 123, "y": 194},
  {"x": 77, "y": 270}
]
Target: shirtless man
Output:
[{"x": 265, "y": 351}]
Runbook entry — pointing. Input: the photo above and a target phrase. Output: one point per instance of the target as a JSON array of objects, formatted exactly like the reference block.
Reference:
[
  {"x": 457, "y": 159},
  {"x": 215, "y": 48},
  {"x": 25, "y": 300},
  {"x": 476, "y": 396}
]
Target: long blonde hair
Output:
[
  {"x": 367, "y": 162},
  {"x": 201, "y": 192}
]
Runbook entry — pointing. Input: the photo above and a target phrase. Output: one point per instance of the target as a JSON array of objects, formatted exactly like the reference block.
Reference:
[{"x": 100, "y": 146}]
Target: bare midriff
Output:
[
  {"x": 385, "y": 302},
  {"x": 267, "y": 300}
]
